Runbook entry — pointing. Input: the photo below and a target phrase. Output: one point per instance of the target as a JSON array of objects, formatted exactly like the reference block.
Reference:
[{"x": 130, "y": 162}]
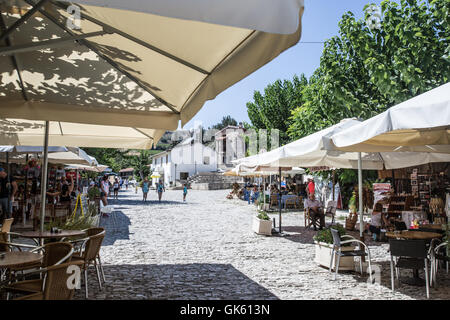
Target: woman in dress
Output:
[
  {"x": 160, "y": 189},
  {"x": 145, "y": 188}
]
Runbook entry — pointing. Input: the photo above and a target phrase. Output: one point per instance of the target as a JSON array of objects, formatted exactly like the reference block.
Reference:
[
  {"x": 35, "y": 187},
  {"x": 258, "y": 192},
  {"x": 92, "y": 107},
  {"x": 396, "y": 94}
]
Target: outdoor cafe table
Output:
[
  {"x": 413, "y": 235},
  {"x": 53, "y": 236},
  {"x": 18, "y": 258},
  {"x": 288, "y": 196}
]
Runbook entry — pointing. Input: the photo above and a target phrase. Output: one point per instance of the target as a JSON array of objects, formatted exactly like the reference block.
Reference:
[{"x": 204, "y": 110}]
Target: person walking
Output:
[
  {"x": 145, "y": 188},
  {"x": 104, "y": 187},
  {"x": 160, "y": 189},
  {"x": 8, "y": 188},
  {"x": 126, "y": 183},
  {"x": 184, "y": 192},
  {"x": 116, "y": 188}
]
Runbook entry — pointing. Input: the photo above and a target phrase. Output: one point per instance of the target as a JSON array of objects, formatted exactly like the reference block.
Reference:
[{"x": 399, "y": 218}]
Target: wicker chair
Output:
[
  {"x": 273, "y": 200},
  {"x": 55, "y": 253},
  {"x": 88, "y": 254},
  {"x": 54, "y": 285},
  {"x": 6, "y": 226},
  {"x": 291, "y": 202}
]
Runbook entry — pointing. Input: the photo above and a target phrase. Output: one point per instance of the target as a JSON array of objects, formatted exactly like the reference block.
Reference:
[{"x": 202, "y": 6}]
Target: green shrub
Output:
[
  {"x": 78, "y": 222},
  {"x": 326, "y": 236},
  {"x": 263, "y": 215}
]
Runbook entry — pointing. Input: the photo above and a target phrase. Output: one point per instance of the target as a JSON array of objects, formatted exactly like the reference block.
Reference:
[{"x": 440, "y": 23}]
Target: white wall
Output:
[{"x": 188, "y": 158}]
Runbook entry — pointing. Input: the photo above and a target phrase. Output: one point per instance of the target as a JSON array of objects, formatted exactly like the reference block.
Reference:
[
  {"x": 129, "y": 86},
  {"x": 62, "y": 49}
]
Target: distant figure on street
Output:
[
  {"x": 184, "y": 192},
  {"x": 160, "y": 189},
  {"x": 8, "y": 188},
  {"x": 145, "y": 188},
  {"x": 126, "y": 183},
  {"x": 116, "y": 187},
  {"x": 104, "y": 187}
]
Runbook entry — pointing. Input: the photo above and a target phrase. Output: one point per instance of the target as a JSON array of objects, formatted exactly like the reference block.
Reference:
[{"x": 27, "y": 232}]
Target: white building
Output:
[
  {"x": 230, "y": 145},
  {"x": 182, "y": 161}
]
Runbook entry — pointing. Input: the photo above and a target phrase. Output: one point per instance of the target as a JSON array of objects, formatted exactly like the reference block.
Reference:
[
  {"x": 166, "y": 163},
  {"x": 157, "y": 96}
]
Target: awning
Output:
[
  {"x": 419, "y": 124},
  {"x": 140, "y": 64},
  {"x": 28, "y": 132}
]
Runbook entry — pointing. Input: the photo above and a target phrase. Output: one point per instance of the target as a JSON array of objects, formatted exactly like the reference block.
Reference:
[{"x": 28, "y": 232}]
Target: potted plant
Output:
[
  {"x": 324, "y": 247},
  {"x": 262, "y": 224}
]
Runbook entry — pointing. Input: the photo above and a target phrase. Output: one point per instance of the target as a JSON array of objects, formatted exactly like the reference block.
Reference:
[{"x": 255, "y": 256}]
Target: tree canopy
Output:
[
  {"x": 272, "y": 110},
  {"x": 363, "y": 71}
]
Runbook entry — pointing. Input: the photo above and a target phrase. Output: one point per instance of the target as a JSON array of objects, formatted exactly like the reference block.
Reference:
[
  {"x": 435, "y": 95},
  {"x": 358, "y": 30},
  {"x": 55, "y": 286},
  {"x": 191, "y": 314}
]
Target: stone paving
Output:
[{"x": 205, "y": 249}]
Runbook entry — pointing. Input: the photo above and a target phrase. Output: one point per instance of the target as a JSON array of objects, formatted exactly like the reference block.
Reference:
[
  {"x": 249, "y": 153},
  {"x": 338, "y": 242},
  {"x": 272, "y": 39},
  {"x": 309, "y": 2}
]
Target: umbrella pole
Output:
[
  {"x": 44, "y": 177},
  {"x": 360, "y": 196},
  {"x": 9, "y": 196},
  {"x": 279, "y": 204},
  {"x": 334, "y": 183},
  {"x": 25, "y": 205}
]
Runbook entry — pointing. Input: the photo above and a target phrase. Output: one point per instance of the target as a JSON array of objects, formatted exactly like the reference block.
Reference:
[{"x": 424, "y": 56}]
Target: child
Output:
[{"x": 184, "y": 192}]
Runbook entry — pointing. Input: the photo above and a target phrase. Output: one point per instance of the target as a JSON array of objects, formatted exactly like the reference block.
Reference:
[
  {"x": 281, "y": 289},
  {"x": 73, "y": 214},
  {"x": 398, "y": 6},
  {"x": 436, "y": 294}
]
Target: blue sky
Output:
[{"x": 320, "y": 22}]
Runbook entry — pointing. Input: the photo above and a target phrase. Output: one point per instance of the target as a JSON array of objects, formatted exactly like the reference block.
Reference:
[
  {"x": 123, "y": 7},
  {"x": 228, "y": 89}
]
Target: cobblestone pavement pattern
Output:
[{"x": 205, "y": 249}]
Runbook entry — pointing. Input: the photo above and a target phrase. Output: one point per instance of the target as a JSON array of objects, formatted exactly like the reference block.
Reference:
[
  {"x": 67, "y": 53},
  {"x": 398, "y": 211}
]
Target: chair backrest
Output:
[
  {"x": 94, "y": 231},
  {"x": 93, "y": 246},
  {"x": 336, "y": 237},
  {"x": 3, "y": 240},
  {"x": 408, "y": 248},
  {"x": 54, "y": 252},
  {"x": 331, "y": 206},
  {"x": 7, "y": 223},
  {"x": 57, "y": 283},
  {"x": 400, "y": 225}
]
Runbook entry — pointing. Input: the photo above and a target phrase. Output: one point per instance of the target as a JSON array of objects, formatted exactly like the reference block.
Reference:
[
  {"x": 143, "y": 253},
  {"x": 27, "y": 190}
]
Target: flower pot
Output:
[
  {"x": 262, "y": 226},
  {"x": 323, "y": 256}
]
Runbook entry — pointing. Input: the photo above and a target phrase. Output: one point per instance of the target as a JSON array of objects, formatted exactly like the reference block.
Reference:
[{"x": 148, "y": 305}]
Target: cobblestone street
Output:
[{"x": 205, "y": 249}]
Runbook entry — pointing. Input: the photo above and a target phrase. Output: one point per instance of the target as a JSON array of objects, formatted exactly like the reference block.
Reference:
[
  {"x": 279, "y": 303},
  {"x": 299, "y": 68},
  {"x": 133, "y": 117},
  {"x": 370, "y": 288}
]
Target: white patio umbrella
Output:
[
  {"x": 419, "y": 124},
  {"x": 140, "y": 64},
  {"x": 318, "y": 149}
]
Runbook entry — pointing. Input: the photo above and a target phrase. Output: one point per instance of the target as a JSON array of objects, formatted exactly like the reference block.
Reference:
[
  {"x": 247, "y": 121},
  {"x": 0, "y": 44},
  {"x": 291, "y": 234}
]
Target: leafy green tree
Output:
[
  {"x": 364, "y": 71},
  {"x": 226, "y": 121},
  {"x": 141, "y": 163},
  {"x": 272, "y": 110}
]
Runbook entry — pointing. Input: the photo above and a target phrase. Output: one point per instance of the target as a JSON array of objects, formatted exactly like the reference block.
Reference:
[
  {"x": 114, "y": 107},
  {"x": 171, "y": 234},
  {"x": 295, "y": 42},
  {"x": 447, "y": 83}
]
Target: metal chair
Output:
[
  {"x": 331, "y": 210},
  {"x": 438, "y": 253},
  {"x": 410, "y": 254},
  {"x": 337, "y": 252}
]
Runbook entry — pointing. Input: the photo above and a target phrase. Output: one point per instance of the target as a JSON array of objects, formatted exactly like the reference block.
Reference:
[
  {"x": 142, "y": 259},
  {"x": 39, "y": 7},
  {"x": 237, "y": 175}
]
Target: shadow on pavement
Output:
[
  {"x": 196, "y": 281},
  {"x": 116, "y": 226}
]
